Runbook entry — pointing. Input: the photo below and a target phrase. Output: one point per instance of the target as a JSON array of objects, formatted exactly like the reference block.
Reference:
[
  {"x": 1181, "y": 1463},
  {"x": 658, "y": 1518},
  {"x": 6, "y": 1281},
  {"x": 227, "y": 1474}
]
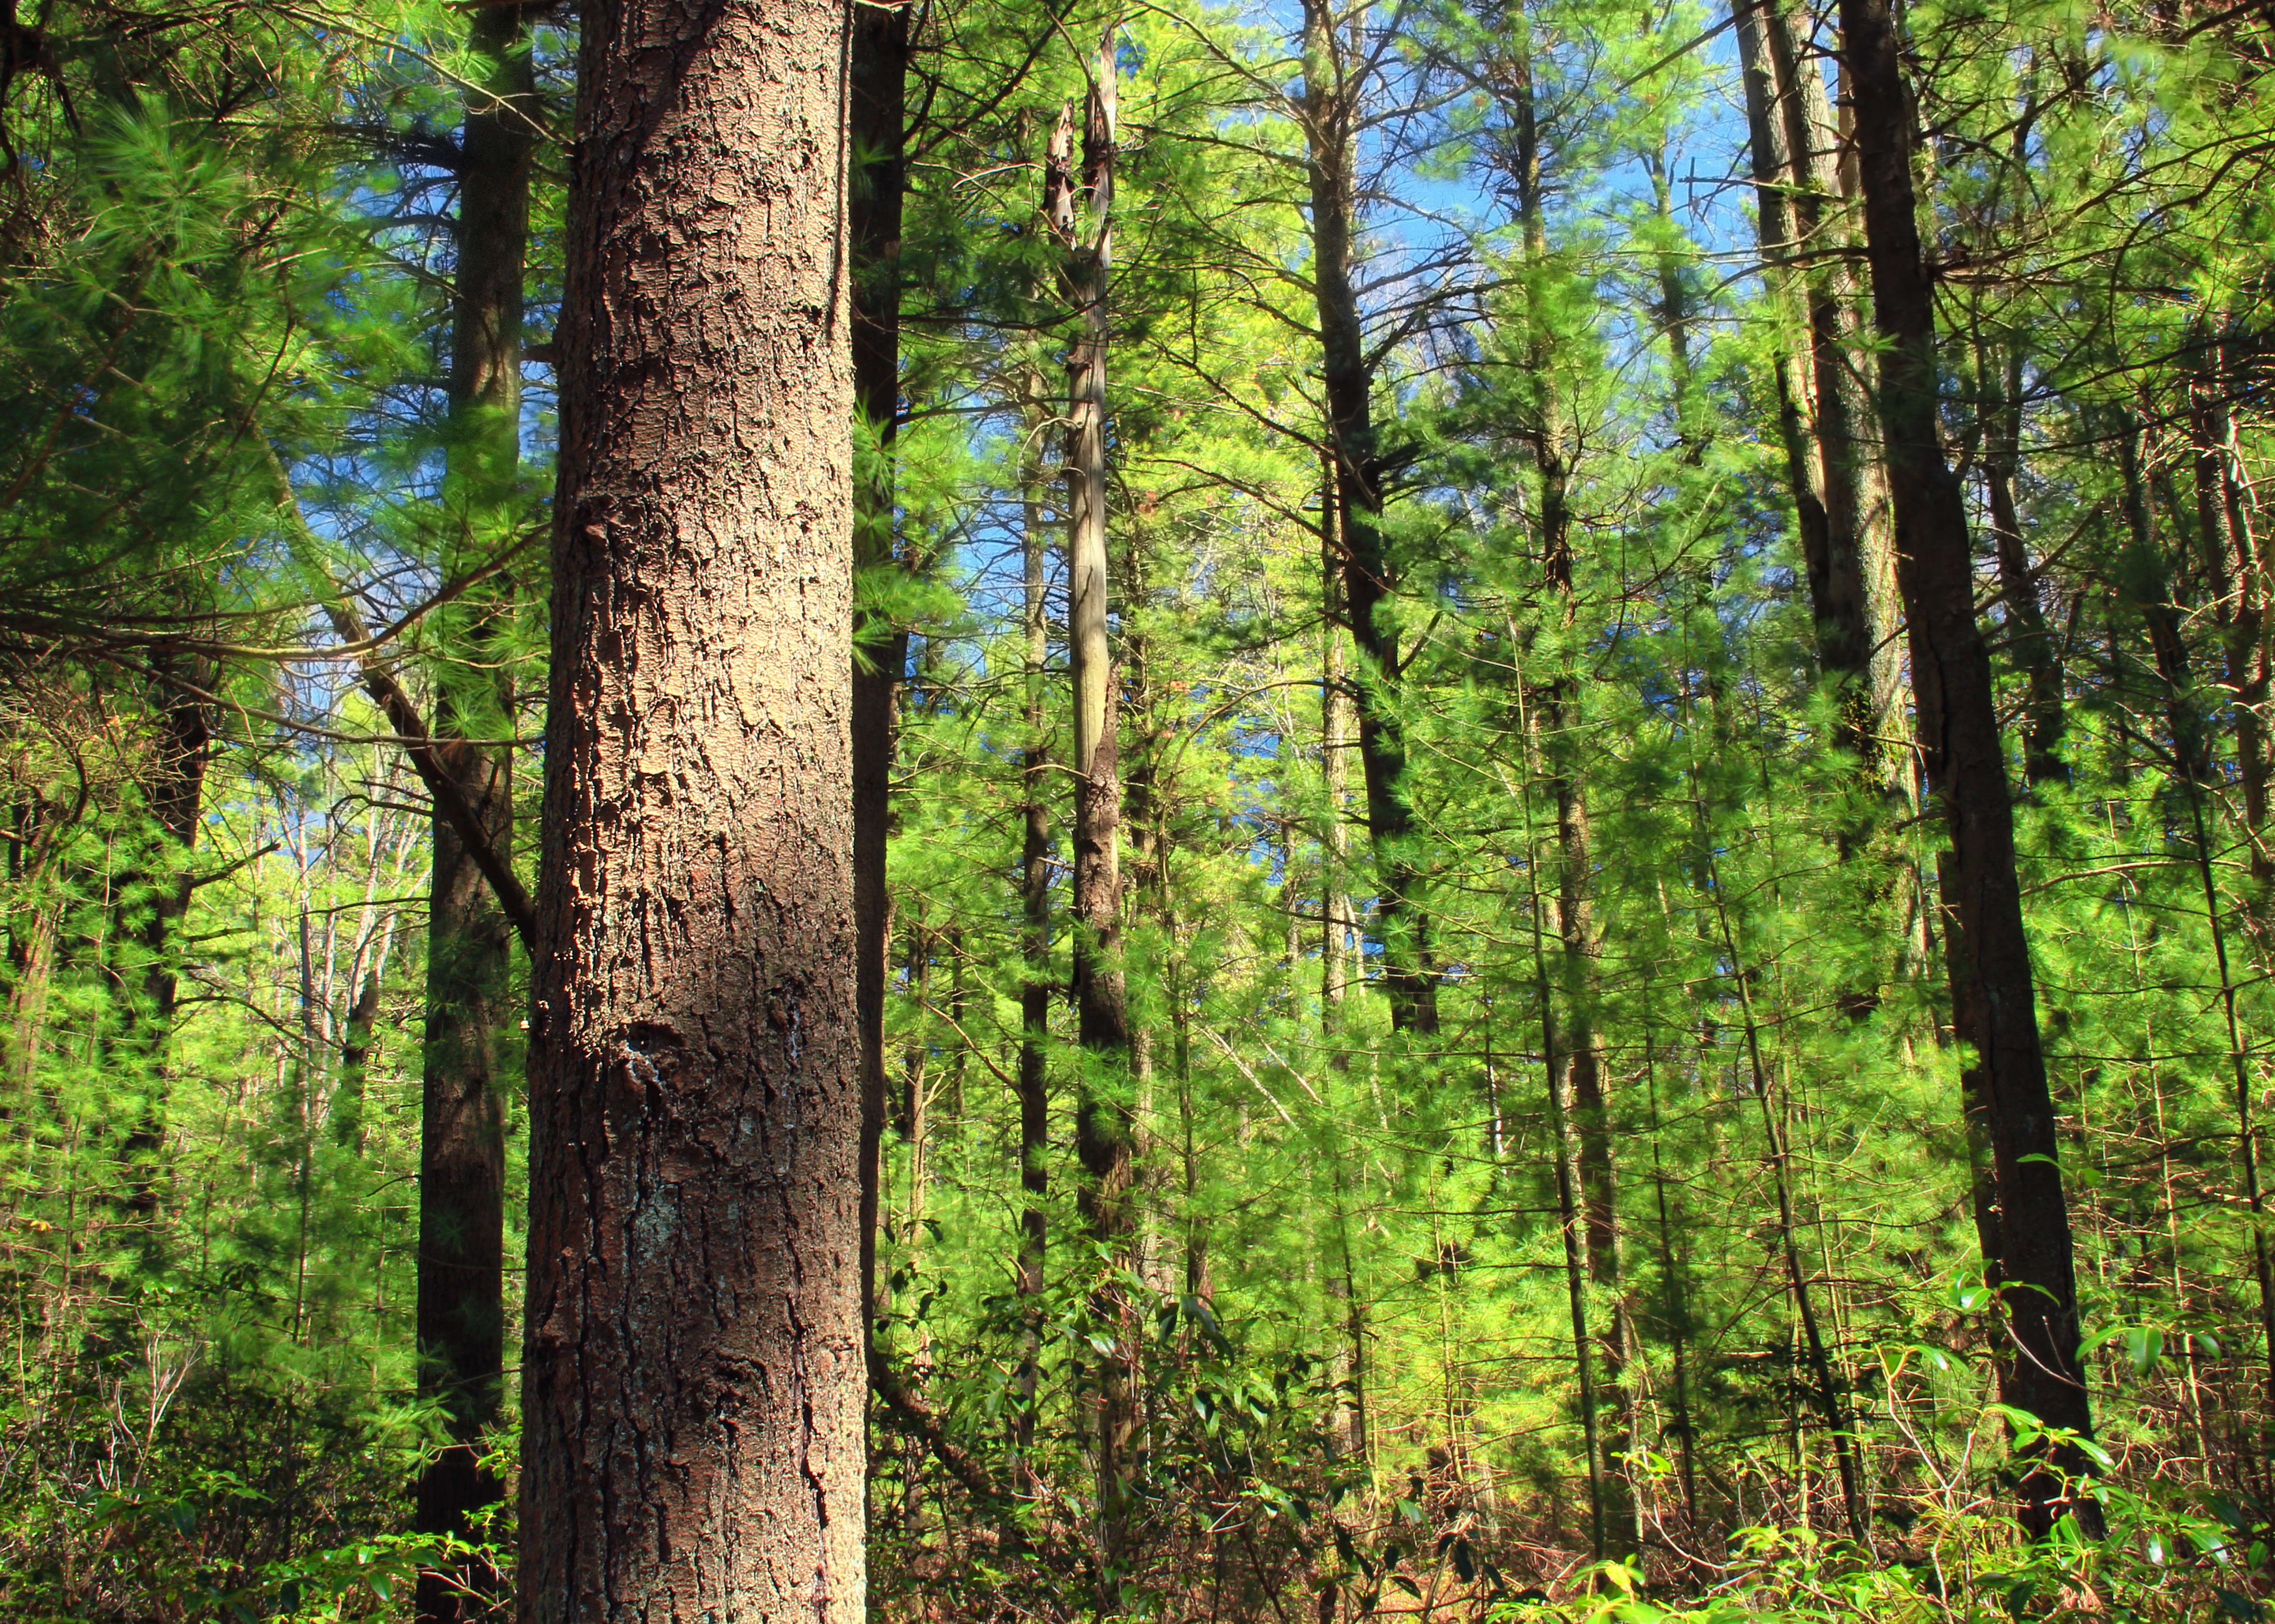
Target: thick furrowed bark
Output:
[{"x": 694, "y": 1375}]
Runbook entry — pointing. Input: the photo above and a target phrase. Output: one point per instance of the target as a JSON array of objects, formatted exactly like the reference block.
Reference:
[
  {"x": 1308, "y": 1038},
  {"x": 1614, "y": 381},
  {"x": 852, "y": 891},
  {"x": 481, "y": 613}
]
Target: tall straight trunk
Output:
[
  {"x": 1564, "y": 1145},
  {"x": 693, "y": 1389},
  {"x": 1577, "y": 1060},
  {"x": 177, "y": 800},
  {"x": 2232, "y": 549},
  {"x": 1035, "y": 908},
  {"x": 877, "y": 75},
  {"x": 1675, "y": 314},
  {"x": 1776, "y": 1135},
  {"x": 1855, "y": 597},
  {"x": 1586, "y": 1201},
  {"x": 2231, "y": 554},
  {"x": 1796, "y": 386},
  {"x": 1986, "y": 948},
  {"x": 1580, "y": 956},
  {"x": 176, "y": 793},
  {"x": 1333, "y": 87},
  {"x": 1080, "y": 207},
  {"x": 1674, "y": 1305},
  {"x": 2143, "y": 580},
  {"x": 1337, "y": 929},
  {"x": 1338, "y": 926},
  {"x": 471, "y": 1019}
]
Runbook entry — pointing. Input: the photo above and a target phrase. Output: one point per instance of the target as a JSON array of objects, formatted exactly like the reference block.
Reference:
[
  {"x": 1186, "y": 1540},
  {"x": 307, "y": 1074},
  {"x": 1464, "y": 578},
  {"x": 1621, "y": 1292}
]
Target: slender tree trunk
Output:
[
  {"x": 347, "y": 1111},
  {"x": 2033, "y": 645},
  {"x": 1674, "y": 315},
  {"x": 877, "y": 78},
  {"x": 1576, "y": 1061},
  {"x": 1035, "y": 908},
  {"x": 1603, "y": 1518},
  {"x": 1334, "y": 85},
  {"x": 2233, "y": 556},
  {"x": 1080, "y": 207},
  {"x": 1338, "y": 925},
  {"x": 1673, "y": 1298},
  {"x": 1796, "y": 387},
  {"x": 693, "y": 1397},
  {"x": 1588, "y": 1118},
  {"x": 1831, "y": 1402},
  {"x": 2144, "y": 578},
  {"x": 471, "y": 1019},
  {"x": 175, "y": 789},
  {"x": 1337, "y": 929},
  {"x": 1985, "y": 946},
  {"x": 1856, "y": 601}
]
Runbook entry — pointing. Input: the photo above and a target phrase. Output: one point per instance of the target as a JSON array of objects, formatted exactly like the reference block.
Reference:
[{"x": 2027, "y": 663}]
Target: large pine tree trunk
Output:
[
  {"x": 1332, "y": 85},
  {"x": 470, "y": 1013},
  {"x": 1986, "y": 950},
  {"x": 694, "y": 1388}
]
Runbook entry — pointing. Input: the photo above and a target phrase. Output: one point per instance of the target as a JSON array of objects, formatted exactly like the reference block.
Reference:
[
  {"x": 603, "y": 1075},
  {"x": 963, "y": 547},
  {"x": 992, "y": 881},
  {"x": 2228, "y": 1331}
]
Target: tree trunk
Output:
[
  {"x": 1035, "y": 908},
  {"x": 1330, "y": 108},
  {"x": 1603, "y": 1516},
  {"x": 1856, "y": 601},
  {"x": 2034, "y": 649},
  {"x": 878, "y": 79},
  {"x": 176, "y": 791},
  {"x": 471, "y": 1019},
  {"x": 1575, "y": 1058},
  {"x": 2231, "y": 554},
  {"x": 1080, "y": 211},
  {"x": 1581, "y": 1093},
  {"x": 1337, "y": 929},
  {"x": 2144, "y": 581},
  {"x": 1796, "y": 387},
  {"x": 694, "y": 1386},
  {"x": 1338, "y": 925},
  {"x": 1985, "y": 947}
]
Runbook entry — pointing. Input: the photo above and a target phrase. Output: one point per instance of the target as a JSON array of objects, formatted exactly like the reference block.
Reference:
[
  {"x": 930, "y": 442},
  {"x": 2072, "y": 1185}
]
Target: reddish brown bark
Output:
[{"x": 694, "y": 1382}]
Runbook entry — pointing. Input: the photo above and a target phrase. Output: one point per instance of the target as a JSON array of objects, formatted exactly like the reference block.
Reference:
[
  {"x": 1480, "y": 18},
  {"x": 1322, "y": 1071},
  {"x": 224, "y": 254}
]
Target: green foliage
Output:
[{"x": 1411, "y": 1329}]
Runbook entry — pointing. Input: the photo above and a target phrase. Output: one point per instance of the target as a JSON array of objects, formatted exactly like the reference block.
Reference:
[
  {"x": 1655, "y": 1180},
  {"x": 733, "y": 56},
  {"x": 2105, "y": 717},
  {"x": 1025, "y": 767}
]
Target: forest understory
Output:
[{"x": 1029, "y": 809}]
